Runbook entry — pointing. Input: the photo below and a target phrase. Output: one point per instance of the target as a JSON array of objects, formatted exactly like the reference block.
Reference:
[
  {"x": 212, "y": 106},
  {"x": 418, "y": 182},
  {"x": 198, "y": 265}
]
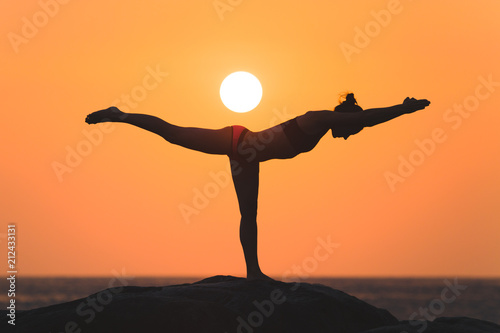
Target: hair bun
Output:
[
  {"x": 349, "y": 99},
  {"x": 349, "y": 104}
]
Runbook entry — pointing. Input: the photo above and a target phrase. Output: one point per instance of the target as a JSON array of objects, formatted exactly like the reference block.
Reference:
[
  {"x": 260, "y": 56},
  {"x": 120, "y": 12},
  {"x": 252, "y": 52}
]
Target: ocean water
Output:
[{"x": 405, "y": 298}]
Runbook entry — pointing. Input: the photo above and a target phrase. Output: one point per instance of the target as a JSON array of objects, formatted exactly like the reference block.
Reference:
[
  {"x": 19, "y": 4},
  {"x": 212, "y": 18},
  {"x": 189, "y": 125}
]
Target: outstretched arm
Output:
[
  {"x": 372, "y": 117},
  {"x": 344, "y": 124}
]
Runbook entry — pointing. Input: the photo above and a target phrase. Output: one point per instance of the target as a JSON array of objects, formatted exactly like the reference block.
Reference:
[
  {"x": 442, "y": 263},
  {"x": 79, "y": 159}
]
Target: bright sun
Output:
[{"x": 241, "y": 92}]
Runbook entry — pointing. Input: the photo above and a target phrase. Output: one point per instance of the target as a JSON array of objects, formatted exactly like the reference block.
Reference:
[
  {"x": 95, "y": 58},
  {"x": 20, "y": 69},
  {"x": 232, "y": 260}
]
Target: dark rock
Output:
[
  {"x": 225, "y": 304},
  {"x": 217, "y": 304}
]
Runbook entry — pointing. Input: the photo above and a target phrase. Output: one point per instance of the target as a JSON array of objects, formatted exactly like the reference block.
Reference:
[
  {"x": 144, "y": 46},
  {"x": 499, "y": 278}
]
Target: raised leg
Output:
[
  {"x": 209, "y": 141},
  {"x": 246, "y": 183}
]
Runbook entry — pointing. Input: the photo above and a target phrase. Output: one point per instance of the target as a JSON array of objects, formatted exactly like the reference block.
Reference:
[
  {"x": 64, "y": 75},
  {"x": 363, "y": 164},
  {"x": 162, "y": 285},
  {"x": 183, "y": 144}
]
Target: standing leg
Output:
[{"x": 246, "y": 184}]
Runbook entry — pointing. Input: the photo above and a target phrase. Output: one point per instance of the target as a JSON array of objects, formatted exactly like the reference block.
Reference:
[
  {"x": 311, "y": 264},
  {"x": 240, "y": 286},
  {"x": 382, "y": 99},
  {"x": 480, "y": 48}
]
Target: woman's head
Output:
[{"x": 347, "y": 103}]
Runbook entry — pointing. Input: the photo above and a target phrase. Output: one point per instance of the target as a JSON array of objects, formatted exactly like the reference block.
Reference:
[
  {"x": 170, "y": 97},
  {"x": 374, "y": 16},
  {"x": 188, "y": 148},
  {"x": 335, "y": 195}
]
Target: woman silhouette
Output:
[{"x": 246, "y": 149}]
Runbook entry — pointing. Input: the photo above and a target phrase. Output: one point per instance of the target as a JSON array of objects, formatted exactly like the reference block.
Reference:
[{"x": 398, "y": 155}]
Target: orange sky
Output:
[{"x": 414, "y": 197}]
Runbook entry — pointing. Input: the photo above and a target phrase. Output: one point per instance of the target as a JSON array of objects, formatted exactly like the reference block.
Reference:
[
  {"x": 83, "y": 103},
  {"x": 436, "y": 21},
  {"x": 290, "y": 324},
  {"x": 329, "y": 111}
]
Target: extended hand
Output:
[{"x": 412, "y": 104}]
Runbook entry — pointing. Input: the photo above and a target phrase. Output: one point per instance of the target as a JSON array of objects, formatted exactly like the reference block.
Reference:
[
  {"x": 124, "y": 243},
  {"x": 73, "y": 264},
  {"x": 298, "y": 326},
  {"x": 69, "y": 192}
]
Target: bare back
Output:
[{"x": 274, "y": 143}]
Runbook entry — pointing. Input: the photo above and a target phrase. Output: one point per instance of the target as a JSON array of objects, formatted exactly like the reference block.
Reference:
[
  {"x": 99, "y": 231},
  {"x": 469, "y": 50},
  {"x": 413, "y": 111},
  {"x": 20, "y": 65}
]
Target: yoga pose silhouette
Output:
[{"x": 246, "y": 149}]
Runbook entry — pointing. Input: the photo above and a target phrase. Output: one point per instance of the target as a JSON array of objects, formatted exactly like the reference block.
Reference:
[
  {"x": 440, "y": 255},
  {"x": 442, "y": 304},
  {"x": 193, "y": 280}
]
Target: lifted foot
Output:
[{"x": 109, "y": 114}]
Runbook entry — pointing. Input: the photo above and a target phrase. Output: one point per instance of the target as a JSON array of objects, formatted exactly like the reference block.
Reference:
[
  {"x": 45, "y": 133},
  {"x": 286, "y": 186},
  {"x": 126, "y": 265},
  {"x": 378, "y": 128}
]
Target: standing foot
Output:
[
  {"x": 258, "y": 276},
  {"x": 109, "y": 114}
]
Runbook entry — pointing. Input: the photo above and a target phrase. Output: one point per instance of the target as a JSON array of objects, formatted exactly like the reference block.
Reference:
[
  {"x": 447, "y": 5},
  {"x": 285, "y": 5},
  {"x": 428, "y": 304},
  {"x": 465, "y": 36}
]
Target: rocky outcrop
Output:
[{"x": 227, "y": 304}]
